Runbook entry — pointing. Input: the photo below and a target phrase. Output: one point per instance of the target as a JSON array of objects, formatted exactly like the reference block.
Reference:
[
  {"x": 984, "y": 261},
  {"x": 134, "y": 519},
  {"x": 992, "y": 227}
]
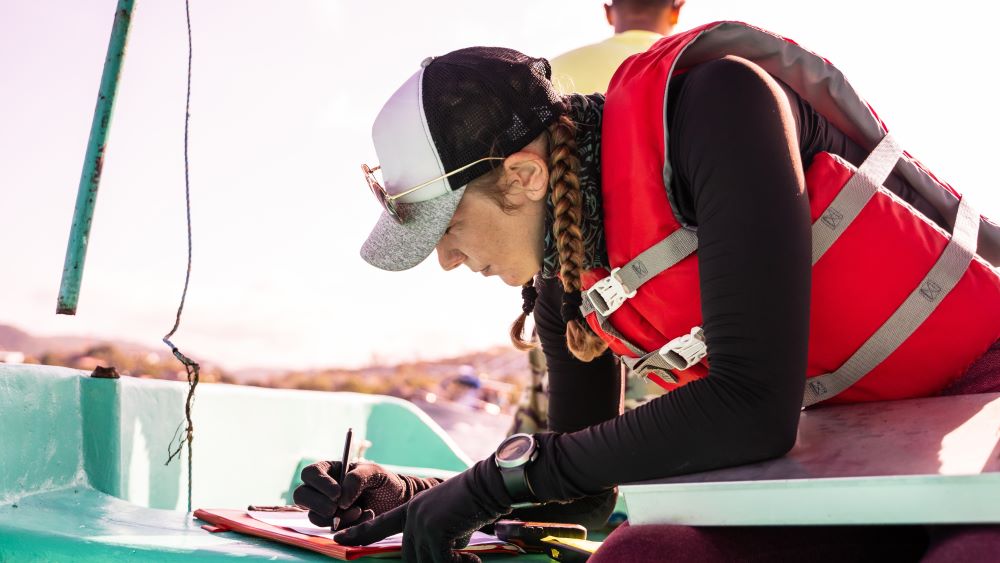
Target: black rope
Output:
[
  {"x": 570, "y": 310},
  {"x": 191, "y": 367},
  {"x": 528, "y": 295}
]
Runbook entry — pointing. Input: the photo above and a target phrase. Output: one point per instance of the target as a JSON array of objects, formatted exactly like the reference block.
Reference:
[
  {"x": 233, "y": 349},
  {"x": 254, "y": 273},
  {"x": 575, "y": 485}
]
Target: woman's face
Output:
[{"x": 497, "y": 242}]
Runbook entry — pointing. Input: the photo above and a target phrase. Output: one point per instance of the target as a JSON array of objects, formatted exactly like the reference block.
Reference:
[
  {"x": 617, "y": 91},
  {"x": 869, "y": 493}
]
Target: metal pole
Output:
[{"x": 90, "y": 179}]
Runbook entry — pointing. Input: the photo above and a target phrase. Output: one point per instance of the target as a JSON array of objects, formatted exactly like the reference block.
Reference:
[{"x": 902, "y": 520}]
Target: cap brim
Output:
[{"x": 398, "y": 246}]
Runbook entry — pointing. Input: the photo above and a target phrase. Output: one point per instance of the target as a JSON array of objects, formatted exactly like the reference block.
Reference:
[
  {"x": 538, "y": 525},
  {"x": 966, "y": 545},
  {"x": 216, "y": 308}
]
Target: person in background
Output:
[{"x": 638, "y": 24}]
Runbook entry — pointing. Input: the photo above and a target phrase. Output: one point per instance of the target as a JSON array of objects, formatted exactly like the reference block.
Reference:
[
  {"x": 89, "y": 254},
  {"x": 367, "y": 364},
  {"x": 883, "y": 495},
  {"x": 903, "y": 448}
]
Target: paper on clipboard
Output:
[
  {"x": 242, "y": 522},
  {"x": 299, "y": 522}
]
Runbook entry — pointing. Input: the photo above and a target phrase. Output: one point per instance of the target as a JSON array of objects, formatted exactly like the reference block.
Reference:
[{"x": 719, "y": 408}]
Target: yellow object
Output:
[
  {"x": 589, "y": 69},
  {"x": 570, "y": 549}
]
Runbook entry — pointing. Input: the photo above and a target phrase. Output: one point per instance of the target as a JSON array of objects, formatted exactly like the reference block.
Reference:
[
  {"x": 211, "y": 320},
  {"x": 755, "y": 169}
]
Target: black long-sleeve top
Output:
[{"x": 738, "y": 143}]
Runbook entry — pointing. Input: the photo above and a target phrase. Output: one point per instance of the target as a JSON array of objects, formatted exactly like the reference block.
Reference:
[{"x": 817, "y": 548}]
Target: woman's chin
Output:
[
  {"x": 514, "y": 280},
  {"x": 510, "y": 281}
]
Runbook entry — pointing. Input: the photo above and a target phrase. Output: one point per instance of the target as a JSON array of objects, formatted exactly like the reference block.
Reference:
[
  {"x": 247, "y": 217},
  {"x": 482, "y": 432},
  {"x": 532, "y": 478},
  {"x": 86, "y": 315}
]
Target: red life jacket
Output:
[{"x": 884, "y": 324}]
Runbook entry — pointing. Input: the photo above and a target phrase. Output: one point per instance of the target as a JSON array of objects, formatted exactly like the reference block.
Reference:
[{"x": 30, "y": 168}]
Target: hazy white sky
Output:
[{"x": 283, "y": 97}]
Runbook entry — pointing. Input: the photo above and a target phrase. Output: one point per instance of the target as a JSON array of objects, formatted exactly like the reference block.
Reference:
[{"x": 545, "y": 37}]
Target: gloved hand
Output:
[
  {"x": 368, "y": 490},
  {"x": 440, "y": 519}
]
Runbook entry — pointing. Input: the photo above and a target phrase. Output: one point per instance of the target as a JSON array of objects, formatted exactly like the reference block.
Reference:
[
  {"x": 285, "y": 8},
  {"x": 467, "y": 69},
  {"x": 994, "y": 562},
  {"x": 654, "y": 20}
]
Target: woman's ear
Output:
[
  {"x": 675, "y": 12},
  {"x": 529, "y": 172}
]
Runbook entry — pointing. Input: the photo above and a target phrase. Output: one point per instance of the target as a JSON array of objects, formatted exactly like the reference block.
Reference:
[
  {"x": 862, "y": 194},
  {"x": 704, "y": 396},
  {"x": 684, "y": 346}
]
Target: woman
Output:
[{"x": 592, "y": 206}]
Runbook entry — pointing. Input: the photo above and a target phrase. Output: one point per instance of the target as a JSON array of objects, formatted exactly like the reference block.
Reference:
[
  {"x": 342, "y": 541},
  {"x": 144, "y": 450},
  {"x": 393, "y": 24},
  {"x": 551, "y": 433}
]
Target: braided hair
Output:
[
  {"x": 528, "y": 294},
  {"x": 564, "y": 166}
]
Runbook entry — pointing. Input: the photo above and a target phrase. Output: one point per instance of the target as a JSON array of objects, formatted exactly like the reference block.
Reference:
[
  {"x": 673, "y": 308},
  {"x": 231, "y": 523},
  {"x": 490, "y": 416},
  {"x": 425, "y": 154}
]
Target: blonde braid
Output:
[{"x": 564, "y": 166}]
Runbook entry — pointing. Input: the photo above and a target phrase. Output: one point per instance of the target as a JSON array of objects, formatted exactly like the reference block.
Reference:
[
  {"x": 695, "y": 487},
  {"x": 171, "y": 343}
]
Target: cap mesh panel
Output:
[{"x": 486, "y": 101}]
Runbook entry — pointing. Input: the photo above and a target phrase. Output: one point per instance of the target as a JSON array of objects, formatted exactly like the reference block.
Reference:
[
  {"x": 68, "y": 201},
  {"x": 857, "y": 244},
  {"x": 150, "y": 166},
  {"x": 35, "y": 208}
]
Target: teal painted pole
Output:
[{"x": 90, "y": 179}]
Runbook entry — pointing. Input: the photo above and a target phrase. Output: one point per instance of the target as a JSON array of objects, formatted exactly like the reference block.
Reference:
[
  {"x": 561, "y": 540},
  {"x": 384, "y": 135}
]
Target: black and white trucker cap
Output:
[{"x": 458, "y": 108}]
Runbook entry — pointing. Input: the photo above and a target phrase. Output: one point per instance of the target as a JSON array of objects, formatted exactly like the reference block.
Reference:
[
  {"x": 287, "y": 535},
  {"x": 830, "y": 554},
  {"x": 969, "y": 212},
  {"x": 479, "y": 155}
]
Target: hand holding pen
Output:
[
  {"x": 344, "y": 463},
  {"x": 341, "y": 494}
]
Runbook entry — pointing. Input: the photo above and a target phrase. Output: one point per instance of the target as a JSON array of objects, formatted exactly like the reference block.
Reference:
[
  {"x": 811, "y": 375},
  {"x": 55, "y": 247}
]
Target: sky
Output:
[{"x": 283, "y": 97}]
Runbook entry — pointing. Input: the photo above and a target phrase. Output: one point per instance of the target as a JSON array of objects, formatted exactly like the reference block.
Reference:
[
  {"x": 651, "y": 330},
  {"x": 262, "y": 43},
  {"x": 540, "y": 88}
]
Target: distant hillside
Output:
[
  {"x": 13, "y": 339},
  {"x": 16, "y": 340},
  {"x": 499, "y": 362},
  {"x": 87, "y": 353},
  {"x": 407, "y": 379}
]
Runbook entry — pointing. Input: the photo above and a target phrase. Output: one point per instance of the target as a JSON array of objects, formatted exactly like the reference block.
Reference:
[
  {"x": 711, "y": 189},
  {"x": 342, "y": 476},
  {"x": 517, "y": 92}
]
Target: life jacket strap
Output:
[
  {"x": 929, "y": 293},
  {"x": 862, "y": 186},
  {"x": 605, "y": 325},
  {"x": 679, "y": 354},
  {"x": 608, "y": 294}
]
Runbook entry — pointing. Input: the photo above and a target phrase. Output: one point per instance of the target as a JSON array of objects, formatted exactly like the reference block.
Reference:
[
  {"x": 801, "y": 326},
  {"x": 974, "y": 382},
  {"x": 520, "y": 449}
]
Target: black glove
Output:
[
  {"x": 440, "y": 519},
  {"x": 368, "y": 490}
]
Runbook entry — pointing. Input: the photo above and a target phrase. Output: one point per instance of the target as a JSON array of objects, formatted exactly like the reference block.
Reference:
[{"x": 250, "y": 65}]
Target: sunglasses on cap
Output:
[{"x": 388, "y": 201}]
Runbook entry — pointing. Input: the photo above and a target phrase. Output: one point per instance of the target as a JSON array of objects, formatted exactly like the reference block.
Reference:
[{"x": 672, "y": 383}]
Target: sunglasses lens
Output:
[{"x": 389, "y": 205}]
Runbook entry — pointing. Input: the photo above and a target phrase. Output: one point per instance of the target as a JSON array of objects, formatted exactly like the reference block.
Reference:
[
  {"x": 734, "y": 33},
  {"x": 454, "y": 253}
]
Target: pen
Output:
[{"x": 343, "y": 471}]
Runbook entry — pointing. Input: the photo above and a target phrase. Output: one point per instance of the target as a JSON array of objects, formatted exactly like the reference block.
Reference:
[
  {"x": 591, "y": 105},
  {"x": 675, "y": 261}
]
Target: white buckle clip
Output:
[
  {"x": 685, "y": 351},
  {"x": 611, "y": 292}
]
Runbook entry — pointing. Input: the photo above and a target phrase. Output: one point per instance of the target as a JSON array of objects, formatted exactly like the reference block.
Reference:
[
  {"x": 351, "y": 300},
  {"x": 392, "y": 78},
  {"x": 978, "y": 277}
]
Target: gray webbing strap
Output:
[
  {"x": 657, "y": 258},
  {"x": 605, "y": 296},
  {"x": 651, "y": 362},
  {"x": 949, "y": 268},
  {"x": 854, "y": 196},
  {"x": 679, "y": 354},
  {"x": 587, "y": 307}
]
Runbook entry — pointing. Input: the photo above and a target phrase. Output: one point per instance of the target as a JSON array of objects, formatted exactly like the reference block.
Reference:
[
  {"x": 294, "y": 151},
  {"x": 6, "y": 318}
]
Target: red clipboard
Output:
[{"x": 221, "y": 520}]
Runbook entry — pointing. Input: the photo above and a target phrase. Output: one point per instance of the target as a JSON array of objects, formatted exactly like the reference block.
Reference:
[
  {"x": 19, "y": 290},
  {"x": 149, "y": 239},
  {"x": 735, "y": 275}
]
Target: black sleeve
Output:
[
  {"x": 581, "y": 394},
  {"x": 734, "y": 149}
]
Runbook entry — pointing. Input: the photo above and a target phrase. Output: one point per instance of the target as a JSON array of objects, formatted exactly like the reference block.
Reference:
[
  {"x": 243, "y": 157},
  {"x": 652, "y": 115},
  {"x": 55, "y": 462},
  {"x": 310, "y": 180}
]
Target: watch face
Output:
[{"x": 515, "y": 448}]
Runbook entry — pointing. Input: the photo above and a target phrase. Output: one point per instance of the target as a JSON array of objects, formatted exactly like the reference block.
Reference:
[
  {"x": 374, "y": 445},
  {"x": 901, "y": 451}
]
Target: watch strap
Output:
[{"x": 515, "y": 479}]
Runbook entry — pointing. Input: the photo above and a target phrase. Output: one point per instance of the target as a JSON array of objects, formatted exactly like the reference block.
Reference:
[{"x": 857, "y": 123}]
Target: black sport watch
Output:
[{"x": 513, "y": 456}]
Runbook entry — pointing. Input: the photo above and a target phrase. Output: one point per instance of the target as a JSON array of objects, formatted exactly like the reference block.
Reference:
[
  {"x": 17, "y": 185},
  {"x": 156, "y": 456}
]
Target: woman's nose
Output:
[{"x": 450, "y": 258}]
